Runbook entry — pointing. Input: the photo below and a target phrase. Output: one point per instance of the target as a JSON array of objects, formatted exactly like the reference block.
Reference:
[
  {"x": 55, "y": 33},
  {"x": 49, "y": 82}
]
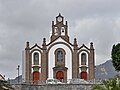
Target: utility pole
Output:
[{"x": 18, "y": 72}]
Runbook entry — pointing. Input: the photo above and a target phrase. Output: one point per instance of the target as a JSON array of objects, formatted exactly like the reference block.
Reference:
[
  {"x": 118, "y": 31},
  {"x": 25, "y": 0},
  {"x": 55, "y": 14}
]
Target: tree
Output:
[
  {"x": 111, "y": 84},
  {"x": 115, "y": 54},
  {"x": 99, "y": 87},
  {"x": 4, "y": 85}
]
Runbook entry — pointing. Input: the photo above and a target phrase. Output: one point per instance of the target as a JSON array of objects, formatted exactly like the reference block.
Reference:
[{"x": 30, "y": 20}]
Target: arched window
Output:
[
  {"x": 83, "y": 59},
  {"x": 36, "y": 59},
  {"x": 59, "y": 56}
]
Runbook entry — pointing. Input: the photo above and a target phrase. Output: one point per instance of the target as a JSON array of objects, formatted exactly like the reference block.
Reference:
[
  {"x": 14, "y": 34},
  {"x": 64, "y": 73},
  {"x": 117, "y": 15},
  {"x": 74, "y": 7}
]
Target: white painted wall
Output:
[
  {"x": 68, "y": 60},
  {"x": 23, "y": 66}
]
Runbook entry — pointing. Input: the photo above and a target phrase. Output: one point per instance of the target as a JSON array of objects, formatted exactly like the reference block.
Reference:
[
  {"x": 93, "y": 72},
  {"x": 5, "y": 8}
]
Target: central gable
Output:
[
  {"x": 63, "y": 45},
  {"x": 59, "y": 40}
]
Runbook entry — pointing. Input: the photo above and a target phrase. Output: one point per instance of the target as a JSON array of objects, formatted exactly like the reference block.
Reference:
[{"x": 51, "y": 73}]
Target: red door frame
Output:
[
  {"x": 36, "y": 76},
  {"x": 60, "y": 75},
  {"x": 84, "y": 75}
]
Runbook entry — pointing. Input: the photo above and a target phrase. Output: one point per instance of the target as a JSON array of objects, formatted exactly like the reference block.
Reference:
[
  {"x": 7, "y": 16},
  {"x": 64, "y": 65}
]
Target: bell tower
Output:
[{"x": 59, "y": 29}]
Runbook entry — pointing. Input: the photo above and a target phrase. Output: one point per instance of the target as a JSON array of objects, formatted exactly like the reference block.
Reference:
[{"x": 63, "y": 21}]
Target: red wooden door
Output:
[
  {"x": 36, "y": 76},
  {"x": 84, "y": 75},
  {"x": 60, "y": 75}
]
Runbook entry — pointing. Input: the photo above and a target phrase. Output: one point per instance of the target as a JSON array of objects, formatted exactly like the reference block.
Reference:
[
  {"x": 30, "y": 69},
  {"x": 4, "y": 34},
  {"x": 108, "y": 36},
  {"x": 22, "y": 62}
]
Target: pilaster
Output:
[
  {"x": 27, "y": 62},
  {"x": 91, "y": 62},
  {"x": 75, "y": 64},
  {"x": 44, "y": 62}
]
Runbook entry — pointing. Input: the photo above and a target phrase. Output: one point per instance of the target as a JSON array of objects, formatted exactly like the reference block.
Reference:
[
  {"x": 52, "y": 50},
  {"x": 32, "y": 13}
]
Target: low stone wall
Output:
[{"x": 56, "y": 87}]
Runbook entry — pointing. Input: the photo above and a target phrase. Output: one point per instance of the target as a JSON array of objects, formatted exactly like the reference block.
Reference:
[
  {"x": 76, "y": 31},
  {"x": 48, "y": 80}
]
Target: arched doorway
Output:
[
  {"x": 84, "y": 75},
  {"x": 36, "y": 76},
  {"x": 60, "y": 75}
]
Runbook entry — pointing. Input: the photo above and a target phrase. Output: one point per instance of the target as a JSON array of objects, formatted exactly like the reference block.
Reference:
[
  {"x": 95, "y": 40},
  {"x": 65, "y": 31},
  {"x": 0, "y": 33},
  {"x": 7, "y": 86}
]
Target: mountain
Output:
[{"x": 105, "y": 70}]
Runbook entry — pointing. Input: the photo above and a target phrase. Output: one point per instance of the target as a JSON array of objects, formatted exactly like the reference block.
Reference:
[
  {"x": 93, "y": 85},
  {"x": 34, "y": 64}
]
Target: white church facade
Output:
[{"x": 59, "y": 58}]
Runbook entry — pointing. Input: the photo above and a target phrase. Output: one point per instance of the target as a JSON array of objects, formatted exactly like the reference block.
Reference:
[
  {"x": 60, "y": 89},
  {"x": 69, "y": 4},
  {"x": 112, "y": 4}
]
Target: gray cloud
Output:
[
  {"x": 98, "y": 30},
  {"x": 30, "y": 20}
]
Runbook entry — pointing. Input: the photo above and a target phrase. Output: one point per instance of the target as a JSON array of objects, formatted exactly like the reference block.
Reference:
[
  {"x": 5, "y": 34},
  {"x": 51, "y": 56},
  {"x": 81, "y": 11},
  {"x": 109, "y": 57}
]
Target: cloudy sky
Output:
[{"x": 30, "y": 20}]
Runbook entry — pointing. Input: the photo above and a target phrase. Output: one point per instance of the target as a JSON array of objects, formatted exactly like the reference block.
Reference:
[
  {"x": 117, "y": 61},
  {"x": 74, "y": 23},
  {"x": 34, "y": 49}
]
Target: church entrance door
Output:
[
  {"x": 36, "y": 75},
  {"x": 60, "y": 75},
  {"x": 84, "y": 75}
]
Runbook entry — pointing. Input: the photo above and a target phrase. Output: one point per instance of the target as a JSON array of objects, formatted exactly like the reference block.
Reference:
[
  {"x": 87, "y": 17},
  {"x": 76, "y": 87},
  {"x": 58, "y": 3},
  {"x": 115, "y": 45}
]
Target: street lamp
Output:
[{"x": 18, "y": 72}]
